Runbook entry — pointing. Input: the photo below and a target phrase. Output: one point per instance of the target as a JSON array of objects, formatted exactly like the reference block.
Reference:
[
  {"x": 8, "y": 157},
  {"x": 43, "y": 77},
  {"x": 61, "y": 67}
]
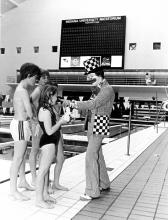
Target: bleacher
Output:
[
  {"x": 148, "y": 110},
  {"x": 68, "y": 78},
  {"x": 122, "y": 77},
  {"x": 118, "y": 77}
]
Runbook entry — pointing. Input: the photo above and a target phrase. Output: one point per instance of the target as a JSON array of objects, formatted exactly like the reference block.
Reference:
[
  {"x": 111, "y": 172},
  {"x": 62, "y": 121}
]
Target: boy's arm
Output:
[
  {"x": 35, "y": 94},
  {"x": 27, "y": 104}
]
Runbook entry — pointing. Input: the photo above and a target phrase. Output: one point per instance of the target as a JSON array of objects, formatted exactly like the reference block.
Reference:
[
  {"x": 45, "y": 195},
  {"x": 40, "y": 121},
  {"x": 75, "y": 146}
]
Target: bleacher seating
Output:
[
  {"x": 68, "y": 78},
  {"x": 148, "y": 110},
  {"x": 125, "y": 77}
]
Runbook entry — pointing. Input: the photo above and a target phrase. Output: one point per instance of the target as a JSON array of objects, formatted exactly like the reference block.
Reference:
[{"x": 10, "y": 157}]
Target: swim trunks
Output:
[{"x": 20, "y": 130}]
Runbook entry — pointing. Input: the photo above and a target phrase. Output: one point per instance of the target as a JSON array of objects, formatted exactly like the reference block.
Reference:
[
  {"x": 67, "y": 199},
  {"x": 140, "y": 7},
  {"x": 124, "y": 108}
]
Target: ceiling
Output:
[{"x": 7, "y": 5}]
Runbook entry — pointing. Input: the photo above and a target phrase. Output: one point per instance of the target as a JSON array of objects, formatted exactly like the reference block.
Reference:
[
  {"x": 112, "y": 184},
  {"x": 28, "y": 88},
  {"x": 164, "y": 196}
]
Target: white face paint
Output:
[{"x": 94, "y": 79}]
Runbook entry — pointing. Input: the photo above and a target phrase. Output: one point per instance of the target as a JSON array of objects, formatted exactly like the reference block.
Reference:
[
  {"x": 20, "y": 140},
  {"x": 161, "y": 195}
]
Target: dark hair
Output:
[
  {"x": 45, "y": 73},
  {"x": 46, "y": 93},
  {"x": 29, "y": 70},
  {"x": 52, "y": 83},
  {"x": 99, "y": 72}
]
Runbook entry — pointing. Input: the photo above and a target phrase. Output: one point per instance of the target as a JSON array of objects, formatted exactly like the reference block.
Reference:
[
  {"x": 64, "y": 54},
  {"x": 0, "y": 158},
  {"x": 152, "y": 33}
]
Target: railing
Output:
[
  {"x": 117, "y": 78},
  {"x": 68, "y": 79}
]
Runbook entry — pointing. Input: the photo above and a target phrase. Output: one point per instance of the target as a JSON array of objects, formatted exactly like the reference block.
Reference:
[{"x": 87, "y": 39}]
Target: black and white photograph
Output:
[{"x": 83, "y": 110}]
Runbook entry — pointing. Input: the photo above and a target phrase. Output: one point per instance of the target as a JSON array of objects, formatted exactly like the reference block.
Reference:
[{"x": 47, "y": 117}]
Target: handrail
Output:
[{"x": 129, "y": 132}]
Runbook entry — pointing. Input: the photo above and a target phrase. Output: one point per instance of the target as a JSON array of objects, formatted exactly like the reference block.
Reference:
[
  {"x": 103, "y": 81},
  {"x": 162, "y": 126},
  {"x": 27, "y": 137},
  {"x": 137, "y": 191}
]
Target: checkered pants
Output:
[{"x": 101, "y": 125}]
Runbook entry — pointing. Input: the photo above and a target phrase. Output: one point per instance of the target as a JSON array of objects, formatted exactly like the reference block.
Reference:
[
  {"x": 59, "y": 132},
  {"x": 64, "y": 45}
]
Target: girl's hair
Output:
[
  {"x": 45, "y": 73},
  {"x": 47, "y": 92}
]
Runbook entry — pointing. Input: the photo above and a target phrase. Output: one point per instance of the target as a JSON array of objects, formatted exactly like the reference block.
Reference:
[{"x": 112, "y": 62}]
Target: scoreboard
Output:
[{"x": 101, "y": 37}]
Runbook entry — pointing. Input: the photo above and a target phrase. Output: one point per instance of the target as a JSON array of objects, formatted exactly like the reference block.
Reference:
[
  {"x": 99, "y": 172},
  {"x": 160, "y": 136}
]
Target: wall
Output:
[{"x": 38, "y": 23}]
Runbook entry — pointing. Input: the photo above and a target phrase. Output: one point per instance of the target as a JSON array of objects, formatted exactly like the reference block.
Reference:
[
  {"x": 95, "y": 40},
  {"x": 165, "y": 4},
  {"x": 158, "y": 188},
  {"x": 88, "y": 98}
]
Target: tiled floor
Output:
[
  {"x": 72, "y": 176},
  {"x": 140, "y": 192}
]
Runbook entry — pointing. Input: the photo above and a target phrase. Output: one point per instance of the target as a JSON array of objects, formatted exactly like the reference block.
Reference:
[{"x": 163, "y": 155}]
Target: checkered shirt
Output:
[
  {"x": 101, "y": 125},
  {"x": 91, "y": 64}
]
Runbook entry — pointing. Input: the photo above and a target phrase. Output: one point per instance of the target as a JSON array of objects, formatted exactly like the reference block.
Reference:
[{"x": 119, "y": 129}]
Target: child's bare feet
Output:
[
  {"x": 44, "y": 205},
  {"x": 59, "y": 187},
  {"x": 48, "y": 198},
  {"x": 25, "y": 185},
  {"x": 19, "y": 196}
]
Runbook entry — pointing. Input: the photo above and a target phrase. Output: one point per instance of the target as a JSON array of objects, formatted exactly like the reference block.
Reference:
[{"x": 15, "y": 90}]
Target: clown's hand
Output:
[
  {"x": 66, "y": 103},
  {"x": 66, "y": 117},
  {"x": 73, "y": 104}
]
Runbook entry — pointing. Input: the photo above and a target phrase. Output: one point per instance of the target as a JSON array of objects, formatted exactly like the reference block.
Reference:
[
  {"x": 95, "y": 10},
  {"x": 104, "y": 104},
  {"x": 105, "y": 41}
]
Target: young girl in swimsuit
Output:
[{"x": 48, "y": 143}]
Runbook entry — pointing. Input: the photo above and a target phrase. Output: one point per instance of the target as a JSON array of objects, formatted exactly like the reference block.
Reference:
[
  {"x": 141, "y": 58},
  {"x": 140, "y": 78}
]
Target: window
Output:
[
  {"x": 36, "y": 49},
  {"x": 2, "y": 50},
  {"x": 18, "y": 49},
  {"x": 54, "y": 49},
  {"x": 156, "y": 46}
]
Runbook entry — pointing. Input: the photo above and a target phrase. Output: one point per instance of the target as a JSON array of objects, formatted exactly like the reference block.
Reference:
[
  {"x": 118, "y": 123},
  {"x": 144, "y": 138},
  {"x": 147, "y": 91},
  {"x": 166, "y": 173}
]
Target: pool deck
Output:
[{"x": 139, "y": 187}]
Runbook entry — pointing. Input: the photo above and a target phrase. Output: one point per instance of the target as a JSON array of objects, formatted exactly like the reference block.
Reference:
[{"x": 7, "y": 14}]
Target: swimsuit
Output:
[
  {"x": 20, "y": 130},
  {"x": 50, "y": 139}
]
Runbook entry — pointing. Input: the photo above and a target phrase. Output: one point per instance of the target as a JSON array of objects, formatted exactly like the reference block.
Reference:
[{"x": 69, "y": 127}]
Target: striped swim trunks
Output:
[{"x": 20, "y": 130}]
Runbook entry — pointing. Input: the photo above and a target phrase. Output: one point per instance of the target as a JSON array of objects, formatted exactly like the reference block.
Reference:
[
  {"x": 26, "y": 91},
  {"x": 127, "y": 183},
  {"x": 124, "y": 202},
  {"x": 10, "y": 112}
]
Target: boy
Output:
[{"x": 20, "y": 126}]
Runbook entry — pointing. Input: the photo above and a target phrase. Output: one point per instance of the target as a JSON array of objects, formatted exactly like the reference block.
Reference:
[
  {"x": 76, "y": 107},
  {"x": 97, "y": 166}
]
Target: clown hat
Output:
[{"x": 91, "y": 65}]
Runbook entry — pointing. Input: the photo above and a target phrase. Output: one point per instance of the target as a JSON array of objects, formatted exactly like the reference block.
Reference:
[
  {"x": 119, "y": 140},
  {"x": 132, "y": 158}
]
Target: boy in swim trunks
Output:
[
  {"x": 20, "y": 127},
  {"x": 36, "y": 130}
]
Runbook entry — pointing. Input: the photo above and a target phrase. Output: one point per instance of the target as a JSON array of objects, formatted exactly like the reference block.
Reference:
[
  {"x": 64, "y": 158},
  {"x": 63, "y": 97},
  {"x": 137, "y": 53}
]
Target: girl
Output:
[{"x": 48, "y": 143}]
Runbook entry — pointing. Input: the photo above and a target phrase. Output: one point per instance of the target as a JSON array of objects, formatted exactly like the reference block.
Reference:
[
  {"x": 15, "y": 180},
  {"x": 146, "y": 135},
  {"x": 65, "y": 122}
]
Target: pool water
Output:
[{"x": 71, "y": 147}]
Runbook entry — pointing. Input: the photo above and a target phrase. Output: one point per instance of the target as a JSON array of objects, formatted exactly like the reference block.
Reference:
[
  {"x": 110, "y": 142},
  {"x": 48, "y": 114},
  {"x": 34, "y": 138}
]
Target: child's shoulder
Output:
[
  {"x": 43, "y": 110},
  {"x": 20, "y": 88},
  {"x": 21, "y": 92},
  {"x": 44, "y": 114}
]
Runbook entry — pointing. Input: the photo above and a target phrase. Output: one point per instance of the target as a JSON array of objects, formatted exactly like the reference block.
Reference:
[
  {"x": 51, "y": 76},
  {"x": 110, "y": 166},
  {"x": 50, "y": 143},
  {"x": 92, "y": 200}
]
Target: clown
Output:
[{"x": 100, "y": 107}]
